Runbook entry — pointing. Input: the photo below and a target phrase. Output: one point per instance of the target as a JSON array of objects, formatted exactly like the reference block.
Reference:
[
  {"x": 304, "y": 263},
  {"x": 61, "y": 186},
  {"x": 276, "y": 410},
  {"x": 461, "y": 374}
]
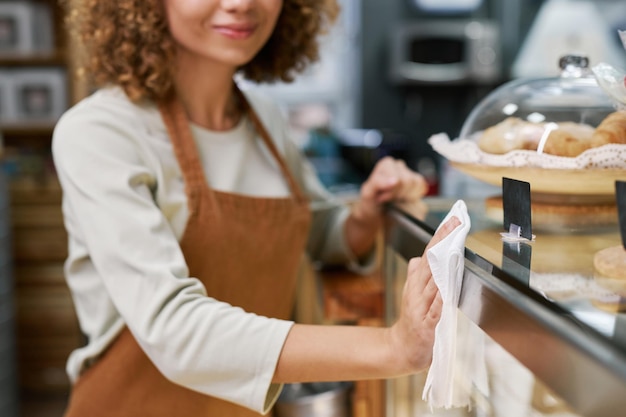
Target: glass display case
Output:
[{"x": 553, "y": 334}]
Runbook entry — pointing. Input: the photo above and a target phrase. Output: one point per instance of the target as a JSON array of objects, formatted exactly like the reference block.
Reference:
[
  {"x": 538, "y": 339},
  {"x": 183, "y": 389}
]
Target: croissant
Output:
[
  {"x": 509, "y": 135},
  {"x": 611, "y": 130},
  {"x": 569, "y": 139}
]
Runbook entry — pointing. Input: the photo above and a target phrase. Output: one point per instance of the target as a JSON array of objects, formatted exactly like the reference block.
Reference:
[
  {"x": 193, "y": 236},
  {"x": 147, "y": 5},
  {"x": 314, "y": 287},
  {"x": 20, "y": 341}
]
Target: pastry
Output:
[
  {"x": 560, "y": 217},
  {"x": 569, "y": 139},
  {"x": 509, "y": 135},
  {"x": 611, "y": 262},
  {"x": 611, "y": 130},
  {"x": 610, "y": 272}
]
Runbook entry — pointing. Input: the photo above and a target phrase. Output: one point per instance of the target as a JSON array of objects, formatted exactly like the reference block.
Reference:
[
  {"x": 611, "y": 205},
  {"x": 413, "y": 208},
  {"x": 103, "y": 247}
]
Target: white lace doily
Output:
[{"x": 612, "y": 156}]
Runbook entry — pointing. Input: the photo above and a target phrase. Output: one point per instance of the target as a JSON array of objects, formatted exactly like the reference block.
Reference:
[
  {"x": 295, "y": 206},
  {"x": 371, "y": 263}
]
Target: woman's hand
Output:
[
  {"x": 413, "y": 334},
  {"x": 390, "y": 180}
]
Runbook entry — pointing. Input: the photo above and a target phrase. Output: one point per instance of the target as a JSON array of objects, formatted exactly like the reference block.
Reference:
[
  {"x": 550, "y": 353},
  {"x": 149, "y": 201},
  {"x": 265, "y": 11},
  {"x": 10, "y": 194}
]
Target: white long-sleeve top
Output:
[{"x": 125, "y": 209}]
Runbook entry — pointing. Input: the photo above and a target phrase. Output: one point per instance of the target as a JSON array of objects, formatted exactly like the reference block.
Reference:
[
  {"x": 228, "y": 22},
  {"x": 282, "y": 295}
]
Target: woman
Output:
[{"x": 188, "y": 210}]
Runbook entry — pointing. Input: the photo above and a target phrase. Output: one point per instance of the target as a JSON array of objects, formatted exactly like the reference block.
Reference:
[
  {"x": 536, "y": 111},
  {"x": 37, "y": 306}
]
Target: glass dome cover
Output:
[
  {"x": 574, "y": 96},
  {"x": 529, "y": 126}
]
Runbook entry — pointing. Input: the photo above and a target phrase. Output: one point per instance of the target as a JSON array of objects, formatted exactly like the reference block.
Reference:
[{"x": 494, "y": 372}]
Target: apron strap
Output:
[{"x": 184, "y": 146}]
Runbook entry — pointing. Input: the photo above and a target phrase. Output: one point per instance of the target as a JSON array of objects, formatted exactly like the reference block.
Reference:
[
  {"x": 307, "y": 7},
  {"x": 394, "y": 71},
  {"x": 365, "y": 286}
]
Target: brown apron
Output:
[{"x": 245, "y": 250}]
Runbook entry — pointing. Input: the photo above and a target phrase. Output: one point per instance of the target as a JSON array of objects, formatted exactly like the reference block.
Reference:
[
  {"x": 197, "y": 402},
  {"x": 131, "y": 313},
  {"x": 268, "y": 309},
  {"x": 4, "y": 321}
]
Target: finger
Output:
[
  {"x": 405, "y": 186},
  {"x": 416, "y": 186},
  {"x": 384, "y": 196},
  {"x": 434, "y": 313},
  {"x": 443, "y": 231},
  {"x": 385, "y": 181},
  {"x": 414, "y": 264},
  {"x": 430, "y": 286},
  {"x": 411, "y": 277},
  {"x": 421, "y": 303},
  {"x": 426, "y": 280},
  {"x": 411, "y": 185},
  {"x": 387, "y": 187},
  {"x": 385, "y": 167},
  {"x": 418, "y": 277},
  {"x": 377, "y": 184}
]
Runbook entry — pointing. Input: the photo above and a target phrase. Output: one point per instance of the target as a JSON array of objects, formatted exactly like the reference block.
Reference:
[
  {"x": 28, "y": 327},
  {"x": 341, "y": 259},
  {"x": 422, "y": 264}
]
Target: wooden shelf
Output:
[
  {"x": 57, "y": 58},
  {"x": 34, "y": 128}
]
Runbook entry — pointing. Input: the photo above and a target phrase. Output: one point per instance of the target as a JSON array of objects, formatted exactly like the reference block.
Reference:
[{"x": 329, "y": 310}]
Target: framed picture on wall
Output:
[
  {"x": 25, "y": 27},
  {"x": 16, "y": 30},
  {"x": 39, "y": 94},
  {"x": 8, "y": 33},
  {"x": 35, "y": 100}
]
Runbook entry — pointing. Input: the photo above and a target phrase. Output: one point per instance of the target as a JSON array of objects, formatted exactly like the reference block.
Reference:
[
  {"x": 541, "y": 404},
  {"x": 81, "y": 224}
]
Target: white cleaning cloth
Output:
[{"x": 447, "y": 380}]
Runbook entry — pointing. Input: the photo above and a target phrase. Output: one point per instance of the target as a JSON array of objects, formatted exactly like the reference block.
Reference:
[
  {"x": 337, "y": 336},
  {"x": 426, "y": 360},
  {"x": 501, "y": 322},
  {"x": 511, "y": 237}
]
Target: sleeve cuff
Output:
[
  {"x": 272, "y": 396},
  {"x": 268, "y": 392},
  {"x": 338, "y": 248}
]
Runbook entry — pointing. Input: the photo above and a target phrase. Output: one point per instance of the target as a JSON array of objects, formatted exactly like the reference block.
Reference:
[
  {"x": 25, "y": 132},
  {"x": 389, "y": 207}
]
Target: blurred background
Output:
[
  {"x": 393, "y": 73},
  {"x": 396, "y": 72}
]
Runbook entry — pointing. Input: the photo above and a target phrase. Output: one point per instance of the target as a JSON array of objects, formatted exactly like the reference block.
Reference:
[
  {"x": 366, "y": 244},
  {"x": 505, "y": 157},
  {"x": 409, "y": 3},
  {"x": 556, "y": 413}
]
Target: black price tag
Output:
[
  {"x": 516, "y": 206},
  {"x": 620, "y": 197}
]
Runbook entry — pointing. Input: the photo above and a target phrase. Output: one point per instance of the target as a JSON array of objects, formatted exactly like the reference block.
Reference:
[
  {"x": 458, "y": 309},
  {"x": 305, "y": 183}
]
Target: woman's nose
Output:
[{"x": 237, "y": 5}]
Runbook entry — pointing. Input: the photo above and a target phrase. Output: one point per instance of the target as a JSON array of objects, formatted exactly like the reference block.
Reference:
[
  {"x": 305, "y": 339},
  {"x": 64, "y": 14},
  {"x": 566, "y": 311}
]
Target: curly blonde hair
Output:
[{"x": 128, "y": 43}]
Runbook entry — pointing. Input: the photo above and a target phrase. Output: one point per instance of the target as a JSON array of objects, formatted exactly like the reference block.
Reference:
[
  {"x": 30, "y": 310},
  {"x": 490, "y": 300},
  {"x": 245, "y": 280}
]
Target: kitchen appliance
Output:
[
  {"x": 447, "y": 6},
  {"x": 445, "y": 52}
]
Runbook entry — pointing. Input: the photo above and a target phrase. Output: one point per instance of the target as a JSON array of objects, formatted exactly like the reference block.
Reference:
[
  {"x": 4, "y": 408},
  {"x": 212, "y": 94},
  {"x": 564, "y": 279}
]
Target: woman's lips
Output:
[{"x": 236, "y": 31}]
